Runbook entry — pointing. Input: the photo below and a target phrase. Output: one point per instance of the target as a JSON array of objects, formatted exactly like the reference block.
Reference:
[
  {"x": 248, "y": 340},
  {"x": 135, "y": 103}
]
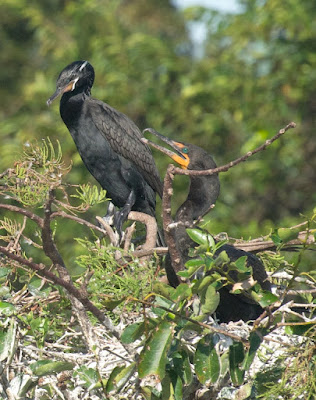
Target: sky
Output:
[
  {"x": 197, "y": 30},
  {"x": 223, "y": 5}
]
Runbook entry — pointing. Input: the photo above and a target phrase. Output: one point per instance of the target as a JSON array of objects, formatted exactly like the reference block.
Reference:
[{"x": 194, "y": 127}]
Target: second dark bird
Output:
[
  {"x": 203, "y": 192},
  {"x": 108, "y": 142}
]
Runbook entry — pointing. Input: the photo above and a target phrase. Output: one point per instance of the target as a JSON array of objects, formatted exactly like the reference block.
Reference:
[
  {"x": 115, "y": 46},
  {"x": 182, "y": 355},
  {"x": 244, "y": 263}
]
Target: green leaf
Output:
[
  {"x": 133, "y": 332},
  {"x": 210, "y": 300},
  {"x": 244, "y": 392},
  {"x": 241, "y": 264},
  {"x": 200, "y": 284},
  {"x": 153, "y": 357},
  {"x": 8, "y": 342},
  {"x": 198, "y": 236},
  {"x": 187, "y": 372},
  {"x": 196, "y": 262},
  {"x": 182, "y": 366},
  {"x": 4, "y": 272},
  {"x": 264, "y": 298},
  {"x": 192, "y": 269},
  {"x": 6, "y": 308},
  {"x": 175, "y": 387},
  {"x": 221, "y": 259},
  {"x": 224, "y": 361},
  {"x": 287, "y": 234},
  {"x": 236, "y": 357},
  {"x": 119, "y": 377},
  {"x": 182, "y": 292},
  {"x": 20, "y": 385},
  {"x": 255, "y": 340},
  {"x": 90, "y": 376},
  {"x": 47, "y": 367},
  {"x": 206, "y": 361}
]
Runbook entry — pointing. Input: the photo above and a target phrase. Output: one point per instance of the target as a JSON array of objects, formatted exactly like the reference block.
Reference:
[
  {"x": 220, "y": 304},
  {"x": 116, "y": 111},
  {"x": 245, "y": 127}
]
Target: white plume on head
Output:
[{"x": 83, "y": 65}]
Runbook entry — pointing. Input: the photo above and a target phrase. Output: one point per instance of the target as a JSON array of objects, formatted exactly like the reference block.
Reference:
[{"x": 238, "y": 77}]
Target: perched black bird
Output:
[
  {"x": 109, "y": 144},
  {"x": 203, "y": 192}
]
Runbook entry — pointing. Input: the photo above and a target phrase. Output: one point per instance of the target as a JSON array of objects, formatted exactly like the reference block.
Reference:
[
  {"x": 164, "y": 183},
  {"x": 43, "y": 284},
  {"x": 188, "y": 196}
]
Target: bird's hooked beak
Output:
[
  {"x": 179, "y": 155},
  {"x": 63, "y": 89}
]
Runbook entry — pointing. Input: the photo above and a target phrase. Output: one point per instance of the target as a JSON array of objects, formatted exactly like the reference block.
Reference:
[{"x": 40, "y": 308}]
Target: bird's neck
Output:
[
  {"x": 71, "y": 105},
  {"x": 203, "y": 192}
]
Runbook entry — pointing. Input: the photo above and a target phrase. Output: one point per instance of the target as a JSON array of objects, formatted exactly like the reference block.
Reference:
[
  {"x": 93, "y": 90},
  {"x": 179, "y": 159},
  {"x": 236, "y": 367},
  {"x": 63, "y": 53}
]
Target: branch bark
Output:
[{"x": 226, "y": 167}]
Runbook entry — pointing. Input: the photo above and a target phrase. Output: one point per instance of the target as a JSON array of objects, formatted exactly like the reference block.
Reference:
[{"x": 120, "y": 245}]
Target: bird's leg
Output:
[
  {"x": 110, "y": 214},
  {"x": 121, "y": 215}
]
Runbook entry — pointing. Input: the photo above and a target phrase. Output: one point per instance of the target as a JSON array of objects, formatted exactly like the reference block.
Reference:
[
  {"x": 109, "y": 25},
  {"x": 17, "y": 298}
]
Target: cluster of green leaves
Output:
[
  {"x": 168, "y": 359},
  {"x": 114, "y": 282},
  {"x": 219, "y": 271},
  {"x": 169, "y": 362},
  {"x": 40, "y": 170}
]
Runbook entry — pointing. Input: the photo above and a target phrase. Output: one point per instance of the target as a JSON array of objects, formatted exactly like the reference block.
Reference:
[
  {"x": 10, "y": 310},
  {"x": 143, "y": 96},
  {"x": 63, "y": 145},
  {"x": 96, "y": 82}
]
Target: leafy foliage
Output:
[
  {"x": 256, "y": 72},
  {"x": 119, "y": 282}
]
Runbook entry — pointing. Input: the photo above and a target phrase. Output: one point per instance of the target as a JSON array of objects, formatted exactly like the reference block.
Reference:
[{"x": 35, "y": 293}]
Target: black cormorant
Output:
[
  {"x": 109, "y": 143},
  {"x": 203, "y": 192}
]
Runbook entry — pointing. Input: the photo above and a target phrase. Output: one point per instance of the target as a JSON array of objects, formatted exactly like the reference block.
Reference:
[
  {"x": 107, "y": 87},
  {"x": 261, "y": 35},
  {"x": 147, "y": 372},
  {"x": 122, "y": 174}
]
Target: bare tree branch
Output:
[
  {"x": 69, "y": 286},
  {"x": 24, "y": 212},
  {"x": 263, "y": 243},
  {"x": 175, "y": 255},
  {"x": 51, "y": 251},
  {"x": 80, "y": 221},
  {"x": 109, "y": 231},
  {"x": 151, "y": 228},
  {"x": 226, "y": 167}
]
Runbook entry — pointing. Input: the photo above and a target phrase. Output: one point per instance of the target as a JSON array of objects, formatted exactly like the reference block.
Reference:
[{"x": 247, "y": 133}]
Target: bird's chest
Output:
[{"x": 91, "y": 143}]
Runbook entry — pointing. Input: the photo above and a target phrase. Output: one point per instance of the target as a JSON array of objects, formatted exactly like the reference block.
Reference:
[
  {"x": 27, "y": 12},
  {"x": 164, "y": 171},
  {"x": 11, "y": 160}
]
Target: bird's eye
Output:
[{"x": 185, "y": 150}]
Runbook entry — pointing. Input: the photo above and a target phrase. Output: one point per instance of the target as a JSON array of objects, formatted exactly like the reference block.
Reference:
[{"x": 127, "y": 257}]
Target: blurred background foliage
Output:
[{"x": 255, "y": 73}]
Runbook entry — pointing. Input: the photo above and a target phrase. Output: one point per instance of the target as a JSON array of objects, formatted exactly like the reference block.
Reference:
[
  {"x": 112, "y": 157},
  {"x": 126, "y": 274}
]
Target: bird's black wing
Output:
[{"x": 124, "y": 138}]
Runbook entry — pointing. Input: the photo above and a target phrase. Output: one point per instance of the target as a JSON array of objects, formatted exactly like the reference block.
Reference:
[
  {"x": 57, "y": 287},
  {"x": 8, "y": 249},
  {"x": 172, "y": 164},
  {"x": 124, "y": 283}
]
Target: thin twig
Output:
[
  {"x": 80, "y": 221},
  {"x": 261, "y": 244},
  {"x": 226, "y": 167},
  {"x": 19, "y": 234},
  {"x": 24, "y": 212},
  {"x": 109, "y": 231}
]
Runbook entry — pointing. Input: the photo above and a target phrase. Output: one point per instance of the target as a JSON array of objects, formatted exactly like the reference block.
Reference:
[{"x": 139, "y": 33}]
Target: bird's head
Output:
[
  {"x": 181, "y": 153},
  {"x": 75, "y": 75}
]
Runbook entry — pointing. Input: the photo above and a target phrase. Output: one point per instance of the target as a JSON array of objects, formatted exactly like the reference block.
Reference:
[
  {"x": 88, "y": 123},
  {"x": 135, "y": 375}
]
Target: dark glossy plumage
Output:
[
  {"x": 203, "y": 192},
  {"x": 108, "y": 142}
]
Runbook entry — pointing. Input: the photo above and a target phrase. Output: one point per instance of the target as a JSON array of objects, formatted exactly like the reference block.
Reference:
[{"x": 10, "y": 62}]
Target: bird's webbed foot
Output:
[{"x": 121, "y": 216}]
